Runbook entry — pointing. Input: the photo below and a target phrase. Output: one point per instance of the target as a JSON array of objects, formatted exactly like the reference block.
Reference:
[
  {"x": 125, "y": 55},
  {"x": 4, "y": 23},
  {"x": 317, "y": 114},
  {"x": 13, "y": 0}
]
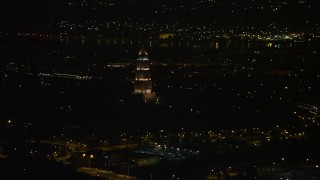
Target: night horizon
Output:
[{"x": 135, "y": 89}]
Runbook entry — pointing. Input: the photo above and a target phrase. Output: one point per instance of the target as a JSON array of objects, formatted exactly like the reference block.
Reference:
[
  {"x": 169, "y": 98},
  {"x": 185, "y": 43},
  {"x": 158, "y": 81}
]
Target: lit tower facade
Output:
[{"x": 143, "y": 83}]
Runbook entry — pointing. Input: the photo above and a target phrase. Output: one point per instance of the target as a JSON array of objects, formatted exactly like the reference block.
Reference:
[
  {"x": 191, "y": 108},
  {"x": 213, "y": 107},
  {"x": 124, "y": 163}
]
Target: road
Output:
[{"x": 104, "y": 174}]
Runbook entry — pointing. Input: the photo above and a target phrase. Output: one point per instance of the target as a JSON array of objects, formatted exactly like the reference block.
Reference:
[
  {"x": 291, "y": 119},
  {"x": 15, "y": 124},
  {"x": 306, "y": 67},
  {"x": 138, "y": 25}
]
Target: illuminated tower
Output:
[{"x": 143, "y": 83}]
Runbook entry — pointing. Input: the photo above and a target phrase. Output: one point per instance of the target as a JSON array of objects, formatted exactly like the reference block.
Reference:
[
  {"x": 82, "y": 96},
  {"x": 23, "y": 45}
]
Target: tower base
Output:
[{"x": 149, "y": 97}]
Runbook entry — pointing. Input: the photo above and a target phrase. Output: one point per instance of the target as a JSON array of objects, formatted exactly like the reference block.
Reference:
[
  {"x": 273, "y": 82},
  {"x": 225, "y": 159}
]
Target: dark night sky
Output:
[{"x": 19, "y": 12}]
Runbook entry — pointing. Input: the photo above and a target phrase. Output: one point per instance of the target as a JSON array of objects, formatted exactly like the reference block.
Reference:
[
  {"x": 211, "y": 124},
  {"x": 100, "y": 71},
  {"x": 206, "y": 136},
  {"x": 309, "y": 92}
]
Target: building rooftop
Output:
[{"x": 143, "y": 52}]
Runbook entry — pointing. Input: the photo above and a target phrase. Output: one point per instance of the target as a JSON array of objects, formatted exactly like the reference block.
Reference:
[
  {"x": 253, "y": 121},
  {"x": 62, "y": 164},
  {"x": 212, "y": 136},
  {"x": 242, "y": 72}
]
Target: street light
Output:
[{"x": 91, "y": 157}]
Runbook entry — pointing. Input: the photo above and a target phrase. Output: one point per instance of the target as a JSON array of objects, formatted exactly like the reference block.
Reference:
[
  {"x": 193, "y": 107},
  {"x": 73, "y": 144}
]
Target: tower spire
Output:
[{"x": 143, "y": 82}]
